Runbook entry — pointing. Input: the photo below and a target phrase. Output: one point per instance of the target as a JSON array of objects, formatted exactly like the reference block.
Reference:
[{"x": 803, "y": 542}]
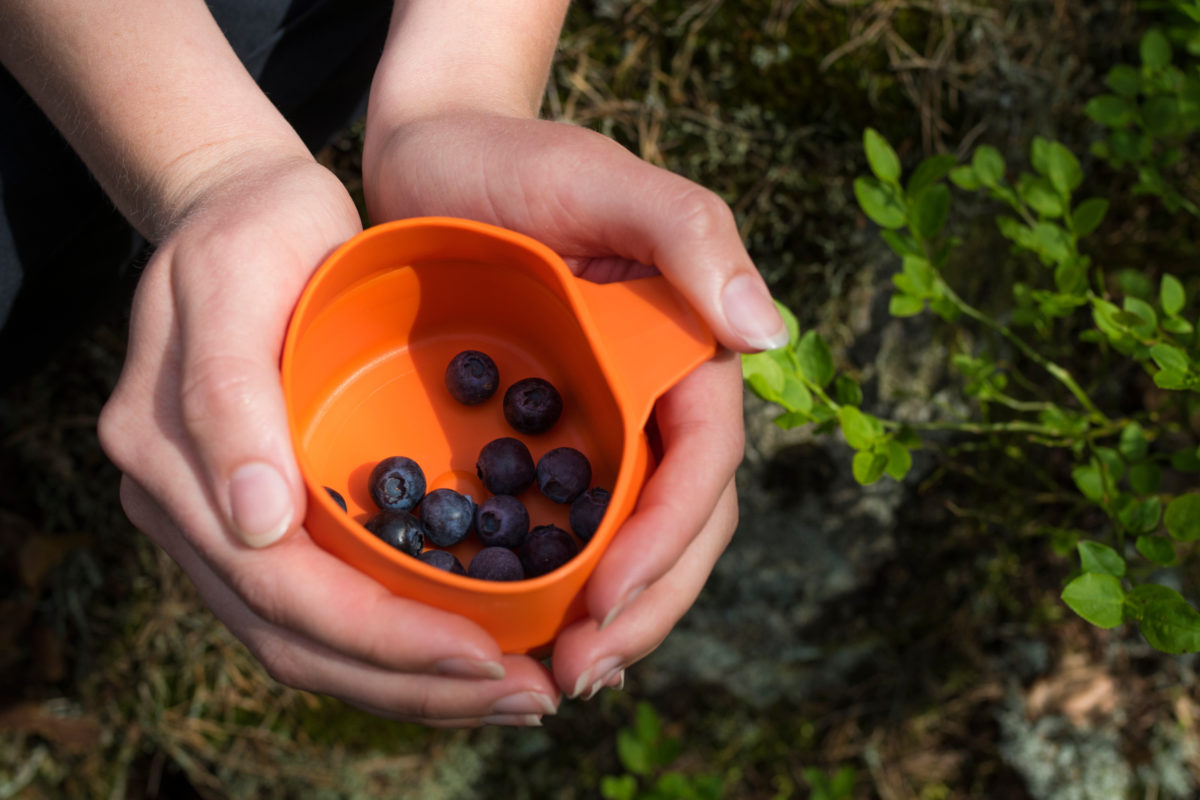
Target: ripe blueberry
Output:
[
  {"x": 532, "y": 405},
  {"x": 472, "y": 377},
  {"x": 587, "y": 511},
  {"x": 337, "y": 498},
  {"x": 397, "y": 483},
  {"x": 448, "y": 516},
  {"x": 400, "y": 529},
  {"x": 546, "y": 548},
  {"x": 443, "y": 559},
  {"x": 502, "y": 521},
  {"x": 563, "y": 474},
  {"x": 496, "y": 564},
  {"x": 505, "y": 466}
]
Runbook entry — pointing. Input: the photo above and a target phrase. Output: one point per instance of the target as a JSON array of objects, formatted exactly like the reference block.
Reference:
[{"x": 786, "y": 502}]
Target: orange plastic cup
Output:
[{"x": 363, "y": 377}]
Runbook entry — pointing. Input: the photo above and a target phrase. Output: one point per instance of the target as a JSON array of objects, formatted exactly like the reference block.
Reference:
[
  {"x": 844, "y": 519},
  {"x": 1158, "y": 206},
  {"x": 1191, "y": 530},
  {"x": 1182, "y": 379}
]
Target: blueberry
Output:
[
  {"x": 337, "y": 498},
  {"x": 546, "y": 548},
  {"x": 563, "y": 474},
  {"x": 587, "y": 511},
  {"x": 502, "y": 521},
  {"x": 505, "y": 466},
  {"x": 532, "y": 405},
  {"x": 448, "y": 516},
  {"x": 443, "y": 559},
  {"x": 496, "y": 564},
  {"x": 400, "y": 529},
  {"x": 397, "y": 483},
  {"x": 472, "y": 377}
]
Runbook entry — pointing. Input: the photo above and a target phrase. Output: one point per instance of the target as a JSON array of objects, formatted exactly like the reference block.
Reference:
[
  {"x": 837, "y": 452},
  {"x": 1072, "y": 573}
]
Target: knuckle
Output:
[
  {"x": 280, "y": 658},
  {"x": 703, "y": 214},
  {"x": 215, "y": 388}
]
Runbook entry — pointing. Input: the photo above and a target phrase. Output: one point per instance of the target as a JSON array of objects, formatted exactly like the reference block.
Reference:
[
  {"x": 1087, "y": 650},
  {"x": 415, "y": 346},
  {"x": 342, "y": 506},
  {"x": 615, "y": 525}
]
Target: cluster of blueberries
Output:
[{"x": 512, "y": 550}]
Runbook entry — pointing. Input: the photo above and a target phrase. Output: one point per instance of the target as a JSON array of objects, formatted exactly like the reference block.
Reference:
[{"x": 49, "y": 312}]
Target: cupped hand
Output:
[
  {"x": 611, "y": 216},
  {"x": 198, "y": 427}
]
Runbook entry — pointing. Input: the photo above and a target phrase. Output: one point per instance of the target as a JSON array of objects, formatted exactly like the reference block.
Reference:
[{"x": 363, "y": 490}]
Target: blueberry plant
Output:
[
  {"x": 647, "y": 753},
  {"x": 1139, "y": 468}
]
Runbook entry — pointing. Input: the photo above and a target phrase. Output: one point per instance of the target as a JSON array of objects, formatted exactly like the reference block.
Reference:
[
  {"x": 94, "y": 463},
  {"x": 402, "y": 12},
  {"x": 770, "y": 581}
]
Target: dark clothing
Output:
[{"x": 66, "y": 255}]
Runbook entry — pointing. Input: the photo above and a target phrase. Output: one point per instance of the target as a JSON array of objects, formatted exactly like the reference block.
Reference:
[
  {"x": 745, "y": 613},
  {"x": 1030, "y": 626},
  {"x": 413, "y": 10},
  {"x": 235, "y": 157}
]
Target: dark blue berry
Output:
[
  {"x": 505, "y": 466},
  {"x": 472, "y": 377},
  {"x": 400, "y": 529},
  {"x": 532, "y": 405},
  {"x": 587, "y": 511},
  {"x": 443, "y": 559},
  {"x": 448, "y": 516},
  {"x": 546, "y": 548},
  {"x": 563, "y": 474},
  {"x": 337, "y": 498},
  {"x": 502, "y": 521},
  {"x": 496, "y": 564},
  {"x": 397, "y": 483}
]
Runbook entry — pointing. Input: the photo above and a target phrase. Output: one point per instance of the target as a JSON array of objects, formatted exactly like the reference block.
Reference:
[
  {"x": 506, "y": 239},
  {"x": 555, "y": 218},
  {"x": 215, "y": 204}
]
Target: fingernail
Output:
[
  {"x": 625, "y": 602},
  {"x": 518, "y": 720},
  {"x": 751, "y": 312},
  {"x": 617, "y": 681},
  {"x": 605, "y": 667},
  {"x": 533, "y": 703},
  {"x": 608, "y": 681},
  {"x": 469, "y": 668},
  {"x": 260, "y": 503}
]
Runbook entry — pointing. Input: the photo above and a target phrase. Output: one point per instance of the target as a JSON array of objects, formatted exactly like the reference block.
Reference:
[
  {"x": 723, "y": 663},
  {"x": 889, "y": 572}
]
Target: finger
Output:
[
  {"x": 298, "y": 587},
  {"x": 701, "y": 428},
  {"x": 588, "y": 657}
]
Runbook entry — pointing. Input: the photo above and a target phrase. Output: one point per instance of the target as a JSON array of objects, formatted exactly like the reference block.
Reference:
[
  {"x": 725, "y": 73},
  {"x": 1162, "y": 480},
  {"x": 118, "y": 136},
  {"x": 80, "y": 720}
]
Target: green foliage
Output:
[
  {"x": 1118, "y": 462},
  {"x": 838, "y": 786},
  {"x": 646, "y": 752}
]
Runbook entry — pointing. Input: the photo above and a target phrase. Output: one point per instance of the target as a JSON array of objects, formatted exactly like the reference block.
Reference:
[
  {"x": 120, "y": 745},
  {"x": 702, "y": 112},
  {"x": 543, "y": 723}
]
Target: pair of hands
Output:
[{"x": 198, "y": 427}]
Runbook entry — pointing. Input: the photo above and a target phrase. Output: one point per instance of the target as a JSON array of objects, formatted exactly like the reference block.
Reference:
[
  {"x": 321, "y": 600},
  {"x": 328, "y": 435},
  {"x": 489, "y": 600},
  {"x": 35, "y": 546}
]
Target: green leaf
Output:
[
  {"x": 1187, "y": 460},
  {"x": 1170, "y": 623},
  {"x": 988, "y": 165},
  {"x": 1113, "y": 463},
  {"x": 1096, "y": 597},
  {"x": 1177, "y": 325},
  {"x": 763, "y": 375},
  {"x": 1051, "y": 242},
  {"x": 880, "y": 201},
  {"x": 634, "y": 754},
  {"x": 921, "y": 275},
  {"x": 1145, "y": 477},
  {"x": 1040, "y": 195},
  {"x": 1109, "y": 110},
  {"x": 1141, "y": 516},
  {"x": 902, "y": 243},
  {"x": 1087, "y": 478},
  {"x": 618, "y": 787},
  {"x": 899, "y": 460},
  {"x": 796, "y": 397},
  {"x": 880, "y": 155},
  {"x": 1132, "y": 445},
  {"x": 905, "y": 305},
  {"x": 1154, "y": 49},
  {"x": 929, "y": 172},
  {"x": 868, "y": 467},
  {"x": 1088, "y": 215},
  {"x": 789, "y": 320},
  {"x": 1039, "y": 155},
  {"x": 1125, "y": 80},
  {"x": 964, "y": 177},
  {"x": 1157, "y": 549},
  {"x": 1171, "y": 295},
  {"x": 647, "y": 725},
  {"x": 1149, "y": 319},
  {"x": 1162, "y": 116},
  {"x": 861, "y": 430},
  {"x": 929, "y": 210},
  {"x": 1070, "y": 278},
  {"x": 1169, "y": 357},
  {"x": 1171, "y": 379},
  {"x": 847, "y": 392},
  {"x": 816, "y": 362},
  {"x": 1064, "y": 171},
  {"x": 1098, "y": 557},
  {"x": 792, "y": 419},
  {"x": 1183, "y": 517}
]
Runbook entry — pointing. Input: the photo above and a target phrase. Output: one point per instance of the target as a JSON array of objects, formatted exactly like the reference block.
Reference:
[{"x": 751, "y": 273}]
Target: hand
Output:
[
  {"x": 611, "y": 216},
  {"x": 198, "y": 427}
]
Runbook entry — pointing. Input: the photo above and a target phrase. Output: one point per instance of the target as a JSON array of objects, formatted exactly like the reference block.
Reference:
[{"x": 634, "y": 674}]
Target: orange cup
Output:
[{"x": 363, "y": 377}]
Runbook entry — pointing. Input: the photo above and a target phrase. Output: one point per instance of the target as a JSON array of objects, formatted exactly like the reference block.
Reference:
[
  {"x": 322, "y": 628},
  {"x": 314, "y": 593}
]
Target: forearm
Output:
[
  {"x": 446, "y": 56},
  {"x": 149, "y": 93}
]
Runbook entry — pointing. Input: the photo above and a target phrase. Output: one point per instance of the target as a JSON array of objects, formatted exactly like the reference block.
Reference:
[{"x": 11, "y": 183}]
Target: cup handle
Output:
[{"x": 650, "y": 335}]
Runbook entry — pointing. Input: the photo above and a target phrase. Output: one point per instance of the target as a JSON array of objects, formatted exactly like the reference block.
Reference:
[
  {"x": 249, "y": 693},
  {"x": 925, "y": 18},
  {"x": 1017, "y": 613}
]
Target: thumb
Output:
[{"x": 231, "y": 400}]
